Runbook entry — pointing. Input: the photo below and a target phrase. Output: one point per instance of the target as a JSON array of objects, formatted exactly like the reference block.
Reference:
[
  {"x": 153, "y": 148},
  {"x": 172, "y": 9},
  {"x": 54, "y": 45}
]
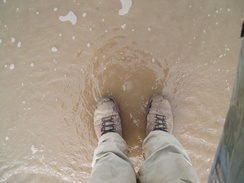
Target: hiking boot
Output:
[
  {"x": 159, "y": 115},
  {"x": 106, "y": 117}
]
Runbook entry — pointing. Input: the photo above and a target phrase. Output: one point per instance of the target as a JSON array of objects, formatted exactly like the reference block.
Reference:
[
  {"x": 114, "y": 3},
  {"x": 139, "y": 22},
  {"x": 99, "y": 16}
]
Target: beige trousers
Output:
[{"x": 165, "y": 161}]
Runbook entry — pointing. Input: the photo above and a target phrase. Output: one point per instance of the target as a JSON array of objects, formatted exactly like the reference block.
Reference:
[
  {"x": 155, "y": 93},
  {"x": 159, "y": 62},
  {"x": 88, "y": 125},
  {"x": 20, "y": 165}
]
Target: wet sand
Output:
[{"x": 59, "y": 57}]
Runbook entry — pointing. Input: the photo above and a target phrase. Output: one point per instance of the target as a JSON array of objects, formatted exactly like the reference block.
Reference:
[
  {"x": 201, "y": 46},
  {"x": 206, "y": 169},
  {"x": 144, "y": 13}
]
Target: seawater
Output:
[{"x": 58, "y": 57}]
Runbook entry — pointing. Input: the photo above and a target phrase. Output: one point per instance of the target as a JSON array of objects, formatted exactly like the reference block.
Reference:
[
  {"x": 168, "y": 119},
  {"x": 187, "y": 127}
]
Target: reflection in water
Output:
[{"x": 52, "y": 72}]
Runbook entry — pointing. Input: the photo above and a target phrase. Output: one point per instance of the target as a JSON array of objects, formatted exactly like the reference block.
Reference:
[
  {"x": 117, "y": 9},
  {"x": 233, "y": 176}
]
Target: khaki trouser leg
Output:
[
  {"x": 166, "y": 161},
  {"x": 111, "y": 163}
]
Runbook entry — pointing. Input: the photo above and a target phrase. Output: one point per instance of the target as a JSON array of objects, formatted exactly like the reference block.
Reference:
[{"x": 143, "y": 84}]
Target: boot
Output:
[
  {"x": 159, "y": 115},
  {"x": 106, "y": 117}
]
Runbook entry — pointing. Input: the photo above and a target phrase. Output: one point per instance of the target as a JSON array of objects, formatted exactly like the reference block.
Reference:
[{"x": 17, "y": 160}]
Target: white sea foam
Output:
[
  {"x": 126, "y": 5},
  {"x": 12, "y": 39},
  {"x": 54, "y": 49},
  {"x": 34, "y": 149},
  {"x": 19, "y": 44},
  {"x": 123, "y": 26},
  {"x": 12, "y": 67},
  {"x": 84, "y": 14},
  {"x": 69, "y": 17}
]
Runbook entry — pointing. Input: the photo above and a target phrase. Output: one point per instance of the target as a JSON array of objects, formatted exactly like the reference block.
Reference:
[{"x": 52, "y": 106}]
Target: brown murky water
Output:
[{"x": 52, "y": 71}]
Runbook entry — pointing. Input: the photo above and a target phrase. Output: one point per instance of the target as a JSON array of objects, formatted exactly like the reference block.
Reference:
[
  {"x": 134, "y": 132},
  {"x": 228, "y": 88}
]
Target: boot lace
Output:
[
  {"x": 108, "y": 124},
  {"x": 160, "y": 123}
]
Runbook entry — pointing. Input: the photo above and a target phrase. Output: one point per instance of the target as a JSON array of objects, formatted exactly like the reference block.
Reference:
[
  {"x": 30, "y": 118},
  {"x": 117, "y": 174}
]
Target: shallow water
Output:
[{"x": 53, "y": 71}]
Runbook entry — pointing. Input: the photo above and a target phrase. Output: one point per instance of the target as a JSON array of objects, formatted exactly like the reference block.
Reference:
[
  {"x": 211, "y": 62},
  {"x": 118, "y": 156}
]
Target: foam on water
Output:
[
  {"x": 12, "y": 67},
  {"x": 123, "y": 26},
  {"x": 126, "y": 5},
  {"x": 71, "y": 17},
  {"x": 54, "y": 49},
  {"x": 34, "y": 149},
  {"x": 19, "y": 44},
  {"x": 12, "y": 39}
]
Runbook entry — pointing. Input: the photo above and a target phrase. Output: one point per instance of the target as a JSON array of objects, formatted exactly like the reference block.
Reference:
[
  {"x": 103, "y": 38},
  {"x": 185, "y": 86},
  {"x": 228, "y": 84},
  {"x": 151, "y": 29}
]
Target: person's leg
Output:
[
  {"x": 110, "y": 162},
  {"x": 165, "y": 159}
]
